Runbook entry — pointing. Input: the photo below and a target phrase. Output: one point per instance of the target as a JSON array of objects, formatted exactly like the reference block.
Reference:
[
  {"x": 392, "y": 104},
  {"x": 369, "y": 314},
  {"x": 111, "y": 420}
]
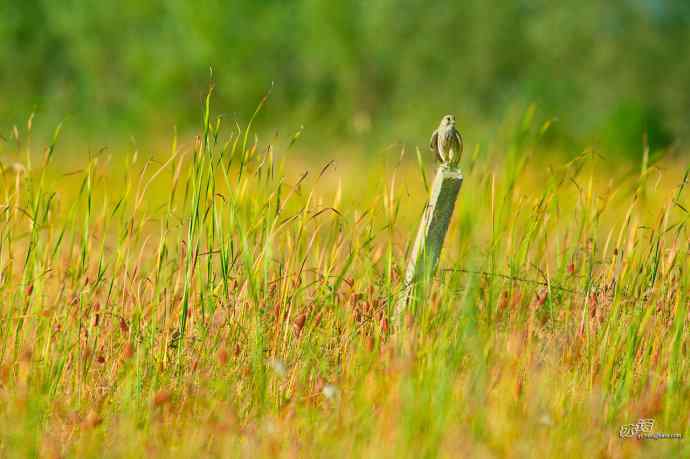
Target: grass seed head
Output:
[
  {"x": 162, "y": 397},
  {"x": 222, "y": 356},
  {"x": 92, "y": 420},
  {"x": 128, "y": 351},
  {"x": 299, "y": 323}
]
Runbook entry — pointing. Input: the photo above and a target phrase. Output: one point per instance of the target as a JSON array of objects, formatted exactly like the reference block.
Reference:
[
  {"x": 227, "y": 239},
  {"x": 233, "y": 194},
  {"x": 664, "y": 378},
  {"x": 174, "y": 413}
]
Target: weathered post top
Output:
[{"x": 427, "y": 247}]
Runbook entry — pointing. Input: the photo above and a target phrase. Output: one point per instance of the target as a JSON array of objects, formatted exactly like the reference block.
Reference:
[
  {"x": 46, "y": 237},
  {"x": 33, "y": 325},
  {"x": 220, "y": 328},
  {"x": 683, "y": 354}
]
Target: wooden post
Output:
[{"x": 432, "y": 231}]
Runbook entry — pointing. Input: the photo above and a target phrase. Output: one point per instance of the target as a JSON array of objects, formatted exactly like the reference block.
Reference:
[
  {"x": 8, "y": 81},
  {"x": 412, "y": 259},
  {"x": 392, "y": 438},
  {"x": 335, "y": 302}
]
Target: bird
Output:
[{"x": 446, "y": 142}]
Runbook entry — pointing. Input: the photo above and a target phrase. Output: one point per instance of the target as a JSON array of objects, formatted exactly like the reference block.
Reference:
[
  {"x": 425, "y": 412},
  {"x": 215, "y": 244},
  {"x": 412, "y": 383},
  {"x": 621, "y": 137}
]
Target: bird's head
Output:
[{"x": 448, "y": 120}]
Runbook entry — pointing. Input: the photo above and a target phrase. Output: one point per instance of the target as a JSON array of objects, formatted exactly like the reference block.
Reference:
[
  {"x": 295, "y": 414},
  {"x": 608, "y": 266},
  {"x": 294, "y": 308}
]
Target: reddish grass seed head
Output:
[
  {"x": 26, "y": 355},
  {"x": 92, "y": 420},
  {"x": 161, "y": 397},
  {"x": 317, "y": 319},
  {"x": 384, "y": 325},
  {"x": 222, "y": 356},
  {"x": 299, "y": 323},
  {"x": 128, "y": 351},
  {"x": 571, "y": 268},
  {"x": 370, "y": 343}
]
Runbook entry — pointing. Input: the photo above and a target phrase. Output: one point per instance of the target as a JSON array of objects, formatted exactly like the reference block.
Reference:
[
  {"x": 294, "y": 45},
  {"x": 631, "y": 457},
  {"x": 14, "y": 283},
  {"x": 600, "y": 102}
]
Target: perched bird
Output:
[{"x": 446, "y": 142}]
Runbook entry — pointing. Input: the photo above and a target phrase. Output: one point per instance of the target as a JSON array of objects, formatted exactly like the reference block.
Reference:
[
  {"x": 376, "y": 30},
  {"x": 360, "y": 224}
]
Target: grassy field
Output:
[{"x": 226, "y": 298}]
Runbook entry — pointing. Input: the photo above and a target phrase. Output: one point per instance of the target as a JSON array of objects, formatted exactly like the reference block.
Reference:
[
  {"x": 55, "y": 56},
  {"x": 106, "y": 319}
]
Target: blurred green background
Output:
[{"x": 352, "y": 71}]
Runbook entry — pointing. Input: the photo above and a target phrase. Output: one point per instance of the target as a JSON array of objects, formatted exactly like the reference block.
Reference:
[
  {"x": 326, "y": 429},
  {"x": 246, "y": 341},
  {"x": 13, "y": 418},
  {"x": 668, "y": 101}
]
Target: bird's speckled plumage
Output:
[{"x": 446, "y": 142}]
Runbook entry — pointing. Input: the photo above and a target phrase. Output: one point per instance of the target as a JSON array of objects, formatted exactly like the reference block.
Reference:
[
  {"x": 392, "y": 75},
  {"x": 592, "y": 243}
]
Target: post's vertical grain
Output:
[{"x": 431, "y": 234}]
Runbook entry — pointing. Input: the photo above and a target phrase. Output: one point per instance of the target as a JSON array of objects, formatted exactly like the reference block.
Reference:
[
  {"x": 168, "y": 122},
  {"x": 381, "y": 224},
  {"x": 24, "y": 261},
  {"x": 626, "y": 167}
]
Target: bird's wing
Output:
[
  {"x": 459, "y": 137},
  {"x": 433, "y": 143}
]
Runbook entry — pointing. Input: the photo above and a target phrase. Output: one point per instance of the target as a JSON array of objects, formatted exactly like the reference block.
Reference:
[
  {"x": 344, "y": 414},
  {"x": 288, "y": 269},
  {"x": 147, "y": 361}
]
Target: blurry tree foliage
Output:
[{"x": 606, "y": 70}]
